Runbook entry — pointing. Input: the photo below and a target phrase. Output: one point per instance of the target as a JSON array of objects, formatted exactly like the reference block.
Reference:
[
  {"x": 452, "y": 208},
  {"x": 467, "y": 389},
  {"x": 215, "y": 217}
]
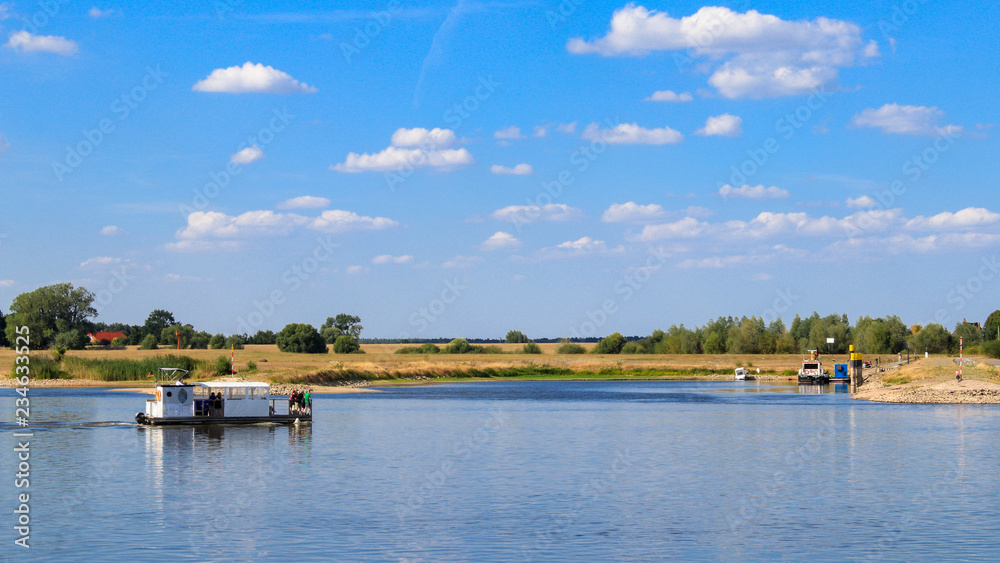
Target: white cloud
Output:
[
  {"x": 540, "y": 131},
  {"x": 247, "y": 155},
  {"x": 862, "y": 202},
  {"x": 966, "y": 218},
  {"x": 304, "y": 202},
  {"x": 905, "y": 120},
  {"x": 500, "y": 241},
  {"x": 724, "y": 125},
  {"x": 100, "y": 261},
  {"x": 398, "y": 156},
  {"x": 213, "y": 224},
  {"x": 632, "y": 212},
  {"x": 585, "y": 244},
  {"x": 509, "y": 132},
  {"x": 28, "y": 43},
  {"x": 96, "y": 12},
  {"x": 533, "y": 213},
  {"x": 568, "y": 128},
  {"x": 752, "y": 192},
  {"x": 669, "y": 96},
  {"x": 687, "y": 227},
  {"x": 518, "y": 170},
  {"x": 111, "y": 230},
  {"x": 5, "y": 10},
  {"x": 355, "y": 270},
  {"x": 436, "y": 138},
  {"x": 189, "y": 245},
  {"x": 390, "y": 259},
  {"x": 632, "y": 134},
  {"x": 251, "y": 78},
  {"x": 754, "y": 55},
  {"x": 7, "y": 283}
]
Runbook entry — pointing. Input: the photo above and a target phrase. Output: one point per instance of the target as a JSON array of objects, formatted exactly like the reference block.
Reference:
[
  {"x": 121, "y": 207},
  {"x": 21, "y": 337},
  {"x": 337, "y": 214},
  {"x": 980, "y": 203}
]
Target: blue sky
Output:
[{"x": 460, "y": 170}]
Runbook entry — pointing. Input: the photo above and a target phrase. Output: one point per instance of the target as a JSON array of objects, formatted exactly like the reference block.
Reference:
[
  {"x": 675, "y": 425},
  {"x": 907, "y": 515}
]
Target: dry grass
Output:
[{"x": 379, "y": 361}]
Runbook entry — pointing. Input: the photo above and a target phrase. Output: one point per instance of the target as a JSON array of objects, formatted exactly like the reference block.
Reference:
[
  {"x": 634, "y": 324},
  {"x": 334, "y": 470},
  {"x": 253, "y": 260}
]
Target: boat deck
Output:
[{"x": 201, "y": 420}]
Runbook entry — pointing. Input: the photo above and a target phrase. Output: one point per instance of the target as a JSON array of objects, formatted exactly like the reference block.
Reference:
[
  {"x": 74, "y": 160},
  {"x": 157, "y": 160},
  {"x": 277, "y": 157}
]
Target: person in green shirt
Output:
[{"x": 308, "y": 401}]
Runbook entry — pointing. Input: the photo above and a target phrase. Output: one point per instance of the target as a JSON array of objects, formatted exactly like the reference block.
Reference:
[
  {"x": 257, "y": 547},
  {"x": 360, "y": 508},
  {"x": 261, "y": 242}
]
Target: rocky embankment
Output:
[{"x": 935, "y": 390}]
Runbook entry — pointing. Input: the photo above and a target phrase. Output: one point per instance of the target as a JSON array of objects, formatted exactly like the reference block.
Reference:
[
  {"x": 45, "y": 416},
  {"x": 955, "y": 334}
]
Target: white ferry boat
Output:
[
  {"x": 176, "y": 402},
  {"x": 742, "y": 374},
  {"x": 812, "y": 370}
]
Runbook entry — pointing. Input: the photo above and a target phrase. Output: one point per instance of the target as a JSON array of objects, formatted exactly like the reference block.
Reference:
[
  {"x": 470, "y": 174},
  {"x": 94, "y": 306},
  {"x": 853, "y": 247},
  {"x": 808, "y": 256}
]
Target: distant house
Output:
[{"x": 105, "y": 336}]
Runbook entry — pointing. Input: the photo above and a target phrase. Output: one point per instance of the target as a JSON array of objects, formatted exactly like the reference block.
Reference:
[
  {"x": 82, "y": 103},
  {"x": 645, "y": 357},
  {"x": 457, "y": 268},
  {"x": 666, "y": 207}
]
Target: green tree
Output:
[
  {"x": 516, "y": 337},
  {"x": 991, "y": 329},
  {"x": 118, "y": 342},
  {"x": 50, "y": 310},
  {"x": 932, "y": 338},
  {"x": 157, "y": 321},
  {"x": 217, "y": 342},
  {"x": 3, "y": 331},
  {"x": 235, "y": 342},
  {"x": 148, "y": 343},
  {"x": 458, "y": 346},
  {"x": 71, "y": 340},
  {"x": 341, "y": 324},
  {"x": 200, "y": 340},
  {"x": 970, "y": 333},
  {"x": 346, "y": 344},
  {"x": 300, "y": 338},
  {"x": 168, "y": 336},
  {"x": 611, "y": 344},
  {"x": 531, "y": 348}
]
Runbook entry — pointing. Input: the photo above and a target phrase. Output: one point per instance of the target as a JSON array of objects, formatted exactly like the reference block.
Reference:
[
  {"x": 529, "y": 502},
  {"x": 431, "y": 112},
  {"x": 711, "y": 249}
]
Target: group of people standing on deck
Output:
[{"x": 300, "y": 402}]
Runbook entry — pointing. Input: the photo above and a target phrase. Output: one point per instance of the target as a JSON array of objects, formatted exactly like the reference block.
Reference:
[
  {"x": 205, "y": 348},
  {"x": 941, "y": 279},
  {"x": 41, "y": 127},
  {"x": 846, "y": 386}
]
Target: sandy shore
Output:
[
  {"x": 933, "y": 382},
  {"x": 277, "y": 389}
]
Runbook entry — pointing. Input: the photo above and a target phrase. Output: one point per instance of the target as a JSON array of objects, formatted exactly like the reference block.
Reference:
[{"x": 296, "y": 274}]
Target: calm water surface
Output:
[{"x": 517, "y": 471}]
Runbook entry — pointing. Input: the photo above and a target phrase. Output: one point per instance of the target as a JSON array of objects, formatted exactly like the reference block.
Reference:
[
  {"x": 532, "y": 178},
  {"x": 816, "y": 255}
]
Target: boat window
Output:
[{"x": 810, "y": 366}]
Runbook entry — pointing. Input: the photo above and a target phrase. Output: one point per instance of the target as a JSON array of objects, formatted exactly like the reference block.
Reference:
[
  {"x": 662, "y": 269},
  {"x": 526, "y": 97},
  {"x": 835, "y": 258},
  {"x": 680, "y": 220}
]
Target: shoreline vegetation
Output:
[{"x": 922, "y": 381}]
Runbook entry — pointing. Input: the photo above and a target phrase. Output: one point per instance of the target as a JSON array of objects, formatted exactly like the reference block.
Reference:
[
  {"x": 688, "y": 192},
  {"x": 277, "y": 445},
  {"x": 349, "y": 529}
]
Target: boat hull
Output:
[{"x": 205, "y": 420}]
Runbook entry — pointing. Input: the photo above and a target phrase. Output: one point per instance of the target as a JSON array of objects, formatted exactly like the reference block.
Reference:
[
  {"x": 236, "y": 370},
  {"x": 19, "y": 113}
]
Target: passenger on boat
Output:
[
  {"x": 307, "y": 401},
  {"x": 217, "y": 405},
  {"x": 211, "y": 403},
  {"x": 291, "y": 402},
  {"x": 302, "y": 402}
]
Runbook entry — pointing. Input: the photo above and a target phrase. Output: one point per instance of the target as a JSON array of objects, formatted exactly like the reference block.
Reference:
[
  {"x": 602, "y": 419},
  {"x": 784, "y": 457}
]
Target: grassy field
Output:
[{"x": 380, "y": 362}]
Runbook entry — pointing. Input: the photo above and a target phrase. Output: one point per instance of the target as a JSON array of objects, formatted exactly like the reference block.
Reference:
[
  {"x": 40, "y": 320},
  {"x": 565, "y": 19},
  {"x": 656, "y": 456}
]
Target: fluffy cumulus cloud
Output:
[
  {"x": 27, "y": 43},
  {"x": 304, "y": 202},
  {"x": 632, "y": 212},
  {"x": 96, "y": 12},
  {"x": 501, "y": 241},
  {"x": 963, "y": 219},
  {"x": 632, "y": 134},
  {"x": 390, "y": 259},
  {"x": 410, "y": 148},
  {"x": 582, "y": 246},
  {"x": 535, "y": 213},
  {"x": 861, "y": 202},
  {"x": 101, "y": 261},
  {"x": 725, "y": 125},
  {"x": 688, "y": 227},
  {"x": 111, "y": 230},
  {"x": 518, "y": 170},
  {"x": 905, "y": 120},
  {"x": 7, "y": 283},
  {"x": 247, "y": 155},
  {"x": 251, "y": 78},
  {"x": 669, "y": 96},
  {"x": 752, "y": 192},
  {"x": 750, "y": 54},
  {"x": 215, "y": 225}
]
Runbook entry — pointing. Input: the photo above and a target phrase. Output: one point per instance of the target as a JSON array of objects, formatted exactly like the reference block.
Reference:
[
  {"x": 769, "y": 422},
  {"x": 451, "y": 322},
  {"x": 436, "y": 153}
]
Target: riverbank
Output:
[{"x": 932, "y": 381}]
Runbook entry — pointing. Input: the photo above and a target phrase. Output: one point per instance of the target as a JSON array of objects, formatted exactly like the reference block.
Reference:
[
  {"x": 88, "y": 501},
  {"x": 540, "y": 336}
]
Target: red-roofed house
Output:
[{"x": 105, "y": 336}]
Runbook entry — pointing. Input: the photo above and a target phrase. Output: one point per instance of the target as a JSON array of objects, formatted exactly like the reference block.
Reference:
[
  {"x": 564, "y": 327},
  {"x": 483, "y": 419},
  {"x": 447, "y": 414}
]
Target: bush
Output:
[
  {"x": 427, "y": 348},
  {"x": 217, "y": 342},
  {"x": 531, "y": 348},
  {"x": 570, "y": 348},
  {"x": 118, "y": 342},
  {"x": 149, "y": 343},
  {"x": 200, "y": 340},
  {"x": 990, "y": 348},
  {"x": 346, "y": 344},
  {"x": 72, "y": 339},
  {"x": 300, "y": 339},
  {"x": 251, "y": 366},
  {"x": 612, "y": 344},
  {"x": 633, "y": 348},
  {"x": 458, "y": 346},
  {"x": 222, "y": 366}
]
